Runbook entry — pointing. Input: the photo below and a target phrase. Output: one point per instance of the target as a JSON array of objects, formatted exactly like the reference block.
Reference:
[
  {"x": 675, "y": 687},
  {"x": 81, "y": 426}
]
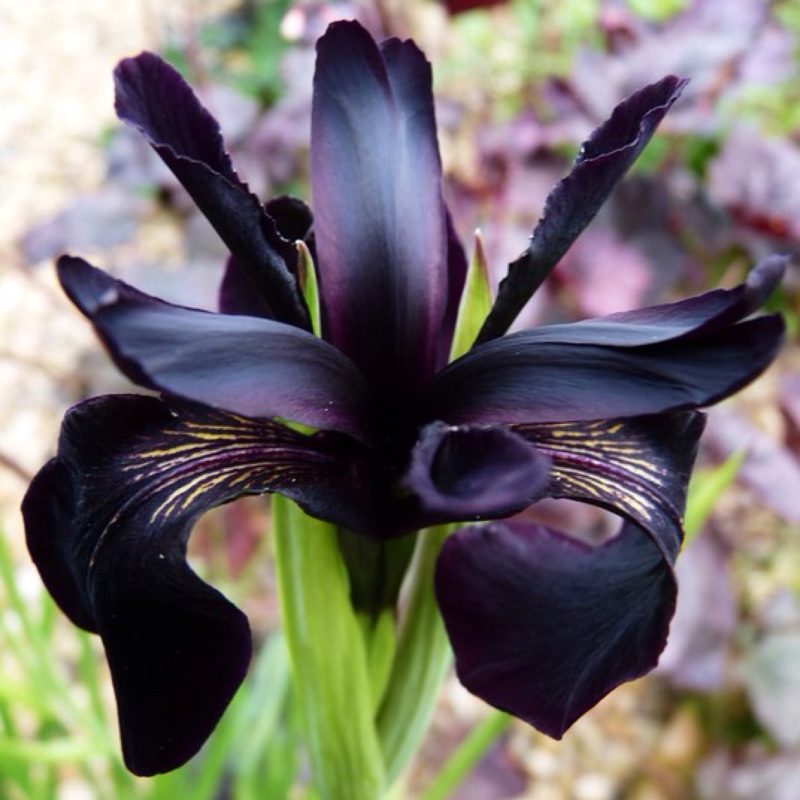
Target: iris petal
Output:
[
  {"x": 474, "y": 473},
  {"x": 637, "y": 467},
  {"x": 544, "y": 626},
  {"x": 107, "y": 523},
  {"x": 705, "y": 313},
  {"x": 250, "y": 366},
  {"x": 152, "y": 97},
  {"x": 237, "y": 295},
  {"x": 571, "y": 205},
  {"x": 523, "y": 378},
  {"x": 380, "y": 222}
]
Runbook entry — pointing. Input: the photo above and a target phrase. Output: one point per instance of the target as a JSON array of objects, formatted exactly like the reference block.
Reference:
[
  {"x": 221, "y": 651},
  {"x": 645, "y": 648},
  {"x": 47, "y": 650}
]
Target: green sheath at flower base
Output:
[
  {"x": 329, "y": 661},
  {"x": 421, "y": 662},
  {"x": 476, "y": 302},
  {"x": 307, "y": 275}
]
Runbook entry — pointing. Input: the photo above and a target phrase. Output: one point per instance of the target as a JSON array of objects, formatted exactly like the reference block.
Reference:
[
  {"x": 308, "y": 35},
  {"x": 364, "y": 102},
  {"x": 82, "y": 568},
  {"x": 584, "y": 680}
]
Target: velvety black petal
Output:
[
  {"x": 474, "y": 472},
  {"x": 457, "y": 266},
  {"x": 701, "y": 314},
  {"x": 523, "y": 377},
  {"x": 107, "y": 523},
  {"x": 250, "y": 366},
  {"x": 601, "y": 163},
  {"x": 638, "y": 467},
  {"x": 544, "y": 626},
  {"x": 237, "y": 295},
  {"x": 152, "y": 97},
  {"x": 380, "y": 225}
]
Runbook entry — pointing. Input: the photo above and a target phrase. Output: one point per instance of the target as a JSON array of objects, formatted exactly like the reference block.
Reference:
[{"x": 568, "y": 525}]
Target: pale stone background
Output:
[{"x": 56, "y": 99}]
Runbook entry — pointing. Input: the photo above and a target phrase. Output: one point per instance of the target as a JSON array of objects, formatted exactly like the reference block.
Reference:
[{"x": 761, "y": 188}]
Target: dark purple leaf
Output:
[
  {"x": 770, "y": 469},
  {"x": 705, "y": 618},
  {"x": 459, "y": 6},
  {"x": 758, "y": 180}
]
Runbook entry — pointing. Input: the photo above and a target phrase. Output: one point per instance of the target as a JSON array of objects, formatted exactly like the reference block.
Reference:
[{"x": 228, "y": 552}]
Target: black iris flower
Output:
[{"x": 367, "y": 424}]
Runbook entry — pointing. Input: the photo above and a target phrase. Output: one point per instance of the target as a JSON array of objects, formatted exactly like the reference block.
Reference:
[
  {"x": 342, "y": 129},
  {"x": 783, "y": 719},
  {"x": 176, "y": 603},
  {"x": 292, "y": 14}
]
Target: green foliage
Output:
[
  {"x": 243, "y": 49},
  {"x": 537, "y": 40},
  {"x": 657, "y": 10},
  {"x": 57, "y": 722},
  {"x": 705, "y": 489},
  {"x": 476, "y": 302}
]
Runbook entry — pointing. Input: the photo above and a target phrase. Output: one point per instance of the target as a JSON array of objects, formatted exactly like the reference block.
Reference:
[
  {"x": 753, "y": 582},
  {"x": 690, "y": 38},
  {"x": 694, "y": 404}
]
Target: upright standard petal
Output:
[
  {"x": 294, "y": 222},
  {"x": 380, "y": 224},
  {"x": 544, "y": 626},
  {"x": 251, "y": 366},
  {"x": 603, "y": 159},
  {"x": 526, "y": 377},
  {"x": 107, "y": 523},
  {"x": 152, "y": 97}
]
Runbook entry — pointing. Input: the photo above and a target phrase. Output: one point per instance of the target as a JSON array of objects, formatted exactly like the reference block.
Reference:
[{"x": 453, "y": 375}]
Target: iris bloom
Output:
[{"x": 367, "y": 425}]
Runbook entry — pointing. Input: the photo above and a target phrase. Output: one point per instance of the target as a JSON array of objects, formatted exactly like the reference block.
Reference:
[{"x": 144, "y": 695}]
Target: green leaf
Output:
[
  {"x": 657, "y": 10},
  {"x": 468, "y": 753},
  {"x": 476, "y": 302},
  {"x": 307, "y": 275},
  {"x": 328, "y": 657},
  {"x": 421, "y": 662},
  {"x": 705, "y": 489}
]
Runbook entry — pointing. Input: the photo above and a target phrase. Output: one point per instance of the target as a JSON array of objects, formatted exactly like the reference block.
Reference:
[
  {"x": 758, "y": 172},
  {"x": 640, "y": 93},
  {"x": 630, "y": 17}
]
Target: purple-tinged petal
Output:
[
  {"x": 603, "y": 160},
  {"x": 702, "y": 314},
  {"x": 544, "y": 626},
  {"x": 380, "y": 224},
  {"x": 637, "y": 467},
  {"x": 474, "y": 472},
  {"x": 153, "y": 98},
  {"x": 237, "y": 294},
  {"x": 457, "y": 267},
  {"x": 250, "y": 366},
  {"x": 107, "y": 523},
  {"x": 523, "y": 378}
]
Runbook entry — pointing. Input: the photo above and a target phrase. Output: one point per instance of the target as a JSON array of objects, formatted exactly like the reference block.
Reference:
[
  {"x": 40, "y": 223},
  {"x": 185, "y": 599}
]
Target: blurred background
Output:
[{"x": 519, "y": 85}]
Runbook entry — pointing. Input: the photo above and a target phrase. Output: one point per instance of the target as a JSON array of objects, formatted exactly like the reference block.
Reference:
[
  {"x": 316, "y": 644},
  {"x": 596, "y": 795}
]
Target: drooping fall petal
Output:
[
  {"x": 380, "y": 226},
  {"x": 152, "y": 97},
  {"x": 107, "y": 523},
  {"x": 247, "y": 365},
  {"x": 544, "y": 626},
  {"x": 637, "y": 467}
]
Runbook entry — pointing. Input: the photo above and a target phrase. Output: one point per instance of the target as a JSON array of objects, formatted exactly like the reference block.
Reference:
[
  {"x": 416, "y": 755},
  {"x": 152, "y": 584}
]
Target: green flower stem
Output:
[
  {"x": 328, "y": 656},
  {"x": 421, "y": 661},
  {"x": 381, "y": 642},
  {"x": 468, "y": 753}
]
